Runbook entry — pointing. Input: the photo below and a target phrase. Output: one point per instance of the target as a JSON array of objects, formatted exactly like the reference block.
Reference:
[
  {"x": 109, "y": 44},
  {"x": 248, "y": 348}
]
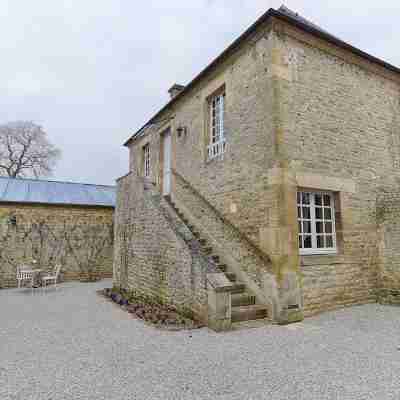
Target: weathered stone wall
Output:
[
  {"x": 389, "y": 247},
  {"x": 300, "y": 113},
  {"x": 80, "y": 238},
  {"x": 235, "y": 184},
  {"x": 342, "y": 126},
  {"x": 233, "y": 247},
  {"x": 154, "y": 256}
]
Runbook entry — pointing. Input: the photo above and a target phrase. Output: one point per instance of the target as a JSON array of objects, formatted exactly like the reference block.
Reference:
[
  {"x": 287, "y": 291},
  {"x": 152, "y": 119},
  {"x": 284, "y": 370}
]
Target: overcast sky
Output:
[{"x": 93, "y": 71}]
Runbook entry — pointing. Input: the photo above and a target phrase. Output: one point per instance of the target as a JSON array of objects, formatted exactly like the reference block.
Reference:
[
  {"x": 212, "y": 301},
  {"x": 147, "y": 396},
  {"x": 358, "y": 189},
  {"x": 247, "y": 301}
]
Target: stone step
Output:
[
  {"x": 246, "y": 313},
  {"x": 237, "y": 288},
  {"x": 215, "y": 258},
  {"x": 243, "y": 299},
  {"x": 207, "y": 249},
  {"x": 253, "y": 323},
  {"x": 231, "y": 276},
  {"x": 222, "y": 267}
]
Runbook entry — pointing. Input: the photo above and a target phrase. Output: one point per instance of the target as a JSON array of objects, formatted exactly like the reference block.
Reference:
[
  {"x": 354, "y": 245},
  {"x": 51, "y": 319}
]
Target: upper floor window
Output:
[
  {"x": 316, "y": 218},
  {"x": 217, "y": 129},
  {"x": 146, "y": 160}
]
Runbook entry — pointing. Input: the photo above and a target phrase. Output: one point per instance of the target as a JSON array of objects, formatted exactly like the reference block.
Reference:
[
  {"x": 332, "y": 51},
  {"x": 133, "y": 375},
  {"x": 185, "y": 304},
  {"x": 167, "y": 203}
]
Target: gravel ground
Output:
[{"x": 74, "y": 344}]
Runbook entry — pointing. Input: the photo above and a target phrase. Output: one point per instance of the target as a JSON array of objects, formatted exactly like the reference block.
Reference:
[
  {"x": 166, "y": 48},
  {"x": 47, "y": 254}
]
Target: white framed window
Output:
[
  {"x": 217, "y": 129},
  {"x": 316, "y": 219},
  {"x": 146, "y": 160}
]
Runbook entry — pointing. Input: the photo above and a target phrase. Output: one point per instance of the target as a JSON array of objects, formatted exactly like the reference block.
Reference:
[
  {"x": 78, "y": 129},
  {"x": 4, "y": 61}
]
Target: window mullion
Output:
[
  {"x": 333, "y": 219},
  {"x": 313, "y": 224},
  {"x": 212, "y": 122},
  {"x": 221, "y": 117}
]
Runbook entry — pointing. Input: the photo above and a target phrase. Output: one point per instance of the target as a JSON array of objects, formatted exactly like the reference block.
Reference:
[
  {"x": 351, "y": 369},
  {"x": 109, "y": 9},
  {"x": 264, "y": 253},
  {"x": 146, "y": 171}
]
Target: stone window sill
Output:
[{"x": 322, "y": 259}]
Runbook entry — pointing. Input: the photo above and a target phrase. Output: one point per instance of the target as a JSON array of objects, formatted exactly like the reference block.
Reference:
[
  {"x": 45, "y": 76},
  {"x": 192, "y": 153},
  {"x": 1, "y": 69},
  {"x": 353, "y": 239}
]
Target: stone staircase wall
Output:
[
  {"x": 156, "y": 255},
  {"x": 245, "y": 259}
]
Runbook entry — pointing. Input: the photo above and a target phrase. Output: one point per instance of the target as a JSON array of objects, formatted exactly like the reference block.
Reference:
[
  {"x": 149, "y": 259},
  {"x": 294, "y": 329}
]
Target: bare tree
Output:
[{"x": 25, "y": 150}]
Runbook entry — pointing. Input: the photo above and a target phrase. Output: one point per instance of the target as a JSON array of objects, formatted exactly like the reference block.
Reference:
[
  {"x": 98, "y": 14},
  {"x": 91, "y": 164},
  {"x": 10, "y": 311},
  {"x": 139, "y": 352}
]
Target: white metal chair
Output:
[
  {"x": 52, "y": 277},
  {"x": 24, "y": 273}
]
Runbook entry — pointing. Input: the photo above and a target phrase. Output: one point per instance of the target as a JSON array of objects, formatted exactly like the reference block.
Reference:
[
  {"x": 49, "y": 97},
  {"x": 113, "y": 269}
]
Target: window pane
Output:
[
  {"x": 307, "y": 242},
  {"x": 320, "y": 242},
  {"x": 306, "y": 213},
  {"x": 327, "y": 200},
  {"x": 328, "y": 227},
  {"x": 327, "y": 213},
  {"x": 305, "y": 198},
  {"x": 318, "y": 199},
  {"x": 306, "y": 226},
  {"x": 316, "y": 226},
  {"x": 329, "y": 241}
]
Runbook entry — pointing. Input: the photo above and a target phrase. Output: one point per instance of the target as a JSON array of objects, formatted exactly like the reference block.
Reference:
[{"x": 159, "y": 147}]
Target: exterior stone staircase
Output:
[{"x": 243, "y": 303}]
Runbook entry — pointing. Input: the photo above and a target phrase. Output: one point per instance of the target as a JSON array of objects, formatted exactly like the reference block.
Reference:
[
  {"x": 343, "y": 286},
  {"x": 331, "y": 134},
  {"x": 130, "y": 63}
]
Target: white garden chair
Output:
[
  {"x": 52, "y": 277},
  {"x": 24, "y": 273}
]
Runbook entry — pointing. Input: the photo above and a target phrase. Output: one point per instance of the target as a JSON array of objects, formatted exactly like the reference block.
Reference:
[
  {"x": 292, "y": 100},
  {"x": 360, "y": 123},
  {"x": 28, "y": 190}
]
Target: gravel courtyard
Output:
[{"x": 73, "y": 344}]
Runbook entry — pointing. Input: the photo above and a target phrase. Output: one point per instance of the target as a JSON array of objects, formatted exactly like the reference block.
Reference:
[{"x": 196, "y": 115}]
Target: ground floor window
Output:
[{"x": 316, "y": 219}]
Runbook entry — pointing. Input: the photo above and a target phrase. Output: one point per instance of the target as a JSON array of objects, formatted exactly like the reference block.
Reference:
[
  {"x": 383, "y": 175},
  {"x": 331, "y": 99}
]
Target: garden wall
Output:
[{"x": 80, "y": 238}]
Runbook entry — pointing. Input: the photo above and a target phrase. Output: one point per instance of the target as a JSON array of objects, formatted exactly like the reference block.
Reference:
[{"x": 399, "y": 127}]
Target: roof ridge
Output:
[{"x": 53, "y": 181}]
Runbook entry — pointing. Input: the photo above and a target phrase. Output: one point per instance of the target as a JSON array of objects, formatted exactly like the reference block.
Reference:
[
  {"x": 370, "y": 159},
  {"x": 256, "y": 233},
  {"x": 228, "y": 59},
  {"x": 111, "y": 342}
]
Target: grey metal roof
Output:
[{"x": 54, "y": 192}]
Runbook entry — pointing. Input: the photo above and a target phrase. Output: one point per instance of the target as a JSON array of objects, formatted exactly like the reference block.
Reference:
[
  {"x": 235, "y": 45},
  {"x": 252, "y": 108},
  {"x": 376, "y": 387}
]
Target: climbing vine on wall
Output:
[{"x": 78, "y": 245}]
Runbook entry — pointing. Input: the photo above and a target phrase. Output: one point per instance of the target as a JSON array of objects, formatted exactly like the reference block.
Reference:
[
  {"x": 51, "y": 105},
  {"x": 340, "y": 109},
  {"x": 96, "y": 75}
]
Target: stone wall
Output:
[
  {"x": 233, "y": 247},
  {"x": 80, "y": 238},
  {"x": 389, "y": 247},
  {"x": 235, "y": 184},
  {"x": 300, "y": 113},
  {"x": 155, "y": 254},
  {"x": 342, "y": 122}
]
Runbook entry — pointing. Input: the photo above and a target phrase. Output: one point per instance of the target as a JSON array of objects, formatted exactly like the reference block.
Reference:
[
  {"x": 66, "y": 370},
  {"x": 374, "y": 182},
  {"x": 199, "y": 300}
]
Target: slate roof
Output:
[
  {"x": 150, "y": 128},
  {"x": 287, "y": 15},
  {"x": 292, "y": 14},
  {"x": 36, "y": 191}
]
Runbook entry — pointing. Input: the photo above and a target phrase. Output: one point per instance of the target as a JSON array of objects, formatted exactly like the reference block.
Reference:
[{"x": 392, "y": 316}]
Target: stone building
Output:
[
  {"x": 269, "y": 185},
  {"x": 56, "y": 222}
]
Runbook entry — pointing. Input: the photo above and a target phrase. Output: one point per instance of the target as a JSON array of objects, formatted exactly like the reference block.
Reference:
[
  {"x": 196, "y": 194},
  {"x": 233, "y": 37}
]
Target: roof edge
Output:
[
  {"x": 38, "y": 203},
  {"x": 51, "y": 181},
  {"x": 263, "y": 19},
  {"x": 338, "y": 42}
]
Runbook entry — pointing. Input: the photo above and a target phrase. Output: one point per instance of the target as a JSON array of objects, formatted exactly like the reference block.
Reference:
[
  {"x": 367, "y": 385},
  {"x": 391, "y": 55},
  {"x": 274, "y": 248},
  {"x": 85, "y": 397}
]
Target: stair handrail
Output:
[{"x": 265, "y": 258}]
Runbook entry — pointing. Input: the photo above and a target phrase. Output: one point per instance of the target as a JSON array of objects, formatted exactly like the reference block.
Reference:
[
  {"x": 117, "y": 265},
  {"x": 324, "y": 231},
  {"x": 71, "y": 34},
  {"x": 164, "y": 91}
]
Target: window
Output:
[
  {"x": 316, "y": 218},
  {"x": 146, "y": 160},
  {"x": 217, "y": 133}
]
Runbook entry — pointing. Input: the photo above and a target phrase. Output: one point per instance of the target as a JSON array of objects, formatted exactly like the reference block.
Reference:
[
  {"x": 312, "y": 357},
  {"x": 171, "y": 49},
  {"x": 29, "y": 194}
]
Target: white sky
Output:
[{"x": 93, "y": 71}]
